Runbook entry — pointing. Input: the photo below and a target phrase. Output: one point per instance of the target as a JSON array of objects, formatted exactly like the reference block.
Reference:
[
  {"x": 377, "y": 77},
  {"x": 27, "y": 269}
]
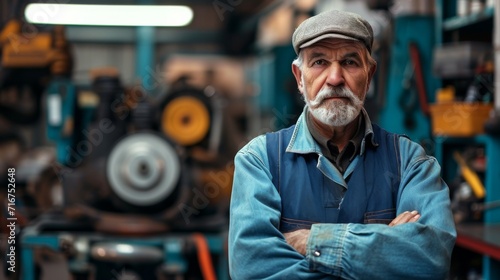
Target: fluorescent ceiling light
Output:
[{"x": 108, "y": 15}]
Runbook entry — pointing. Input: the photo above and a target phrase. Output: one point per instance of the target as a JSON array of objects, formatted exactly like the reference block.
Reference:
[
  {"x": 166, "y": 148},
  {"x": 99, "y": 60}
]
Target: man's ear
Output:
[
  {"x": 371, "y": 72},
  {"x": 297, "y": 73}
]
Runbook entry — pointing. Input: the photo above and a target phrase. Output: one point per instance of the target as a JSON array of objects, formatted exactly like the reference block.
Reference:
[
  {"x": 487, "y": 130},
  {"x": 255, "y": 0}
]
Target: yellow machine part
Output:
[
  {"x": 186, "y": 120},
  {"x": 23, "y": 51},
  {"x": 470, "y": 176},
  {"x": 11, "y": 27}
]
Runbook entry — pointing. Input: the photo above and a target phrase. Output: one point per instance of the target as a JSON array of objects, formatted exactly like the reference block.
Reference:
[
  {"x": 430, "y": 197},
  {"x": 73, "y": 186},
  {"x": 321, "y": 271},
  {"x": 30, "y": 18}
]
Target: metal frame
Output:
[{"x": 33, "y": 237}]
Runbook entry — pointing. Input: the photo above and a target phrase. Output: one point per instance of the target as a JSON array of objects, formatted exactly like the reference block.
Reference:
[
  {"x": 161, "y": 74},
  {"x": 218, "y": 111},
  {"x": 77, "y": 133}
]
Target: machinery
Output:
[
  {"x": 144, "y": 187},
  {"x": 29, "y": 59},
  {"x": 145, "y": 182}
]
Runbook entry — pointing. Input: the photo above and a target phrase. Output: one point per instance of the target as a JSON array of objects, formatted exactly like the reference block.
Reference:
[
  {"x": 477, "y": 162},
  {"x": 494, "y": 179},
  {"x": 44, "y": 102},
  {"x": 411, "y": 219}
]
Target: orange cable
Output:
[{"x": 204, "y": 257}]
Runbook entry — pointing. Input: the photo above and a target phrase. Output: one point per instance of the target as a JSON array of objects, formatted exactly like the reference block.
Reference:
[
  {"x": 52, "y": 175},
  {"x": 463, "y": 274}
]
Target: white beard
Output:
[{"x": 334, "y": 112}]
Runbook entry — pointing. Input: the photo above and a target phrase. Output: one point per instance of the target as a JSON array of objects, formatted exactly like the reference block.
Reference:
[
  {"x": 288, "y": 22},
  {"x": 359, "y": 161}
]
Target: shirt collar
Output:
[{"x": 303, "y": 141}]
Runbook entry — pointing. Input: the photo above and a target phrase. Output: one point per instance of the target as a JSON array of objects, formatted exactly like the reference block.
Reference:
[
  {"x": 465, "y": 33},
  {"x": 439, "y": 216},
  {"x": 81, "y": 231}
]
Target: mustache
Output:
[{"x": 328, "y": 92}]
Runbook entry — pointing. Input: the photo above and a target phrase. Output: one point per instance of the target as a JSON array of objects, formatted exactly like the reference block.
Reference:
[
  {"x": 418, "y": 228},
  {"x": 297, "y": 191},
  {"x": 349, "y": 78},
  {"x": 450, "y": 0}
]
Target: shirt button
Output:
[{"x": 317, "y": 253}]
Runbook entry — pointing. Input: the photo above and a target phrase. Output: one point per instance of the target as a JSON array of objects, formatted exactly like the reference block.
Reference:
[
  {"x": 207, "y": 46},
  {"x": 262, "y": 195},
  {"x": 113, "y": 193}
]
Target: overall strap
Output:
[
  {"x": 273, "y": 146},
  {"x": 276, "y": 143},
  {"x": 393, "y": 149}
]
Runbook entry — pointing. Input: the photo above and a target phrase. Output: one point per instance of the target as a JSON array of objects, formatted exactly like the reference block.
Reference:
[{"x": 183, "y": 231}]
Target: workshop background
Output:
[{"x": 119, "y": 124}]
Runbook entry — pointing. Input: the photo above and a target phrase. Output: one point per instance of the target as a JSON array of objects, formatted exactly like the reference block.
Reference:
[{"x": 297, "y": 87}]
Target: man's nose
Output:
[{"x": 335, "y": 75}]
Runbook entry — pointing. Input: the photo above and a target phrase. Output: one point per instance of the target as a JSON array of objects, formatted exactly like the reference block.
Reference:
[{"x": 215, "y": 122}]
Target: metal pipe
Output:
[{"x": 479, "y": 207}]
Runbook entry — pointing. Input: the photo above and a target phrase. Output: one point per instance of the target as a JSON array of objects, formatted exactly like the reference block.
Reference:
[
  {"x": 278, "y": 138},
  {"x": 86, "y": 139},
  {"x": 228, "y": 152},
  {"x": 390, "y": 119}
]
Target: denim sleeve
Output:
[
  {"x": 257, "y": 249},
  {"x": 420, "y": 250}
]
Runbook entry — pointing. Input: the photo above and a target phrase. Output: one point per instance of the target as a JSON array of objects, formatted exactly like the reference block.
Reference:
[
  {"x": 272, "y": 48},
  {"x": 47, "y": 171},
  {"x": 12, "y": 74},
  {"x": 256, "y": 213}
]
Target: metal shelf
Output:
[
  {"x": 461, "y": 28},
  {"x": 458, "y": 22}
]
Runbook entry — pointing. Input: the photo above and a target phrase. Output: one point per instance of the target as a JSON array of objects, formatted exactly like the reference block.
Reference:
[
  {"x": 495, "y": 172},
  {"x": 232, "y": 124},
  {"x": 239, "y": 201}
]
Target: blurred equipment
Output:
[
  {"x": 120, "y": 163},
  {"x": 187, "y": 115},
  {"x": 460, "y": 60},
  {"x": 136, "y": 201},
  {"x": 464, "y": 106},
  {"x": 467, "y": 189},
  {"x": 28, "y": 60},
  {"x": 470, "y": 176},
  {"x": 144, "y": 170}
]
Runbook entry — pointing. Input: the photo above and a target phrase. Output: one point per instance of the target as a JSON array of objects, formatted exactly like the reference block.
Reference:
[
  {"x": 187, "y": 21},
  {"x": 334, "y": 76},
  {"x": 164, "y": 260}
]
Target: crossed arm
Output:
[{"x": 298, "y": 239}]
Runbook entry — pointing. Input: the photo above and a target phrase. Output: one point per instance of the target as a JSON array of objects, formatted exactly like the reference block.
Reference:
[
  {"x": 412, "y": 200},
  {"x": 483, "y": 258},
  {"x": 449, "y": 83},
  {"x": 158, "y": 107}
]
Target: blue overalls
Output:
[{"x": 308, "y": 196}]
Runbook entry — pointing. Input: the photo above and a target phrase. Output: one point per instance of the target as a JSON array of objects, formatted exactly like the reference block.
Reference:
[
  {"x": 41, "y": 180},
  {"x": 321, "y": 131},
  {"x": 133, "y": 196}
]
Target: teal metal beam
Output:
[
  {"x": 144, "y": 49},
  {"x": 144, "y": 52},
  {"x": 392, "y": 115},
  {"x": 492, "y": 216}
]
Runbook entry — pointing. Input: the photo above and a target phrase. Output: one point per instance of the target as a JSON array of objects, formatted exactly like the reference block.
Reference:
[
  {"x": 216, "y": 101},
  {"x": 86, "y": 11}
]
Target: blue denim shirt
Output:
[{"x": 258, "y": 250}]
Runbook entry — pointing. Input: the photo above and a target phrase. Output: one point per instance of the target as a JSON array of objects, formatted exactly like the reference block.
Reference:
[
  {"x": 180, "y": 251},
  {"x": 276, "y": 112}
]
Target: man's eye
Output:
[
  {"x": 319, "y": 62},
  {"x": 350, "y": 62}
]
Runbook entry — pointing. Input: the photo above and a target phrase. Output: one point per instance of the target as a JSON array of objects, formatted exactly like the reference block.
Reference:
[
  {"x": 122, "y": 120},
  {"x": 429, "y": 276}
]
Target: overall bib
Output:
[{"x": 309, "y": 196}]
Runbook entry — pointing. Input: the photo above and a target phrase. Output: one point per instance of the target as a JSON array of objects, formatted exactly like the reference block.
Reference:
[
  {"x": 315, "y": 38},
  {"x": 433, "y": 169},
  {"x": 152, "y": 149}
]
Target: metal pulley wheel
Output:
[
  {"x": 143, "y": 169},
  {"x": 186, "y": 118}
]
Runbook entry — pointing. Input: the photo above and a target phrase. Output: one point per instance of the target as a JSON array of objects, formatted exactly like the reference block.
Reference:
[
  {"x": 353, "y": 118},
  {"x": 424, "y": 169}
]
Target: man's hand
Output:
[
  {"x": 405, "y": 217},
  {"x": 298, "y": 240}
]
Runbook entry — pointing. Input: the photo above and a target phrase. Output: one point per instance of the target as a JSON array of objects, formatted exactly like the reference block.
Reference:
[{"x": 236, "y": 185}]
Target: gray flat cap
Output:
[{"x": 332, "y": 24}]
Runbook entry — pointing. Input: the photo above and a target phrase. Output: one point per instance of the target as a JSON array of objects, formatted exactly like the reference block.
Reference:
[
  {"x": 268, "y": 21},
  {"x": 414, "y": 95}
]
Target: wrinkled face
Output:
[{"x": 334, "y": 78}]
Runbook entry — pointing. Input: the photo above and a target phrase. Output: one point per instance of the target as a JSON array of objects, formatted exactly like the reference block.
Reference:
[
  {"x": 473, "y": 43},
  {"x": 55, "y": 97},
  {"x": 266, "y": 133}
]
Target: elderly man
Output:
[{"x": 335, "y": 196}]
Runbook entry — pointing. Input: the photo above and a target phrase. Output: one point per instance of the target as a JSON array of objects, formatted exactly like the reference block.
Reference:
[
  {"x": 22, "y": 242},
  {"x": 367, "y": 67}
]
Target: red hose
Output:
[
  {"x": 204, "y": 257},
  {"x": 419, "y": 78}
]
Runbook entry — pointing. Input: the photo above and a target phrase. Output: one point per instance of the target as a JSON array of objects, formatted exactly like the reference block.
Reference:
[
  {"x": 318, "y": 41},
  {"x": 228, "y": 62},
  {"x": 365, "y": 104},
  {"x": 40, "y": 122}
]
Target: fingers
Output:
[
  {"x": 405, "y": 217},
  {"x": 298, "y": 240}
]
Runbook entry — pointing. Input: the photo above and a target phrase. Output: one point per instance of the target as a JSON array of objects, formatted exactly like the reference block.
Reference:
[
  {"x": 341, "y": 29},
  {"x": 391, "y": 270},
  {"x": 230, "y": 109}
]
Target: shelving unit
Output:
[
  {"x": 457, "y": 22},
  {"x": 483, "y": 238}
]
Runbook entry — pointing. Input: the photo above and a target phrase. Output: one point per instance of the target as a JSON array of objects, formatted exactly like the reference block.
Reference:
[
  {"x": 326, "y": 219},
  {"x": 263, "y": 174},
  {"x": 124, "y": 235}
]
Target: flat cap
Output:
[{"x": 332, "y": 24}]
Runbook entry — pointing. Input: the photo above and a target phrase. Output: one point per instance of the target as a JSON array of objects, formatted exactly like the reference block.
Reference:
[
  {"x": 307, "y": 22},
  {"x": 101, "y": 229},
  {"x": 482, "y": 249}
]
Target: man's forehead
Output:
[{"x": 339, "y": 47}]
